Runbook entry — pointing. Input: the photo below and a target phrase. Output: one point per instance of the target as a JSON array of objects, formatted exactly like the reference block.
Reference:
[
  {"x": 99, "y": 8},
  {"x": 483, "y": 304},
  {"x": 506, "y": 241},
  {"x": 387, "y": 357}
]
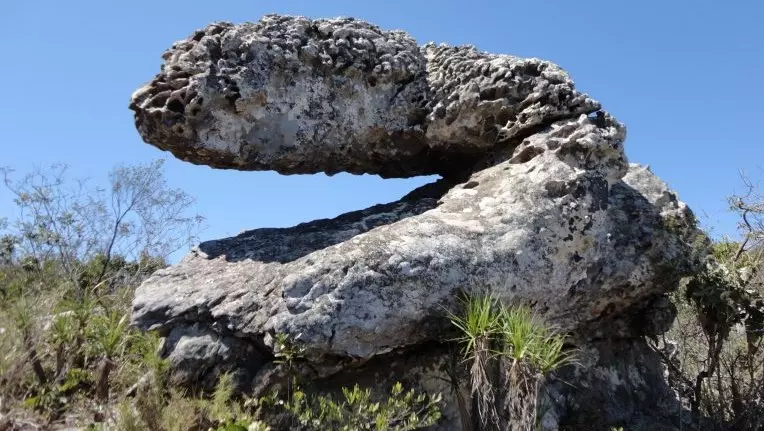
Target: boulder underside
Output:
[{"x": 537, "y": 205}]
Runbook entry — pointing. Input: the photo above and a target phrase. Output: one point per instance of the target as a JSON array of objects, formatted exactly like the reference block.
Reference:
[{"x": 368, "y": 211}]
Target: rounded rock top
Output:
[{"x": 299, "y": 96}]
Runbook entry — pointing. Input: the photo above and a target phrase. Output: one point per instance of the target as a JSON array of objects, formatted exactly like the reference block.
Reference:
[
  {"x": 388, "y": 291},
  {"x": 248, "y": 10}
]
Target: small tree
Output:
[
  {"x": 529, "y": 351},
  {"x": 718, "y": 365},
  {"x": 83, "y": 229},
  {"x": 69, "y": 261}
]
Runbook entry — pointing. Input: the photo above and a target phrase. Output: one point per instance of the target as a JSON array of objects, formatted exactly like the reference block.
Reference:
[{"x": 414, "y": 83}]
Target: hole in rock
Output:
[
  {"x": 176, "y": 105},
  {"x": 268, "y": 217},
  {"x": 526, "y": 154}
]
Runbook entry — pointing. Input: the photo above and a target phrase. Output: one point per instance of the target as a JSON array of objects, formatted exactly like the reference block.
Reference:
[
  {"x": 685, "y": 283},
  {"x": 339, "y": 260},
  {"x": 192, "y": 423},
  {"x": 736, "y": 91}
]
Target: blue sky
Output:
[{"x": 684, "y": 76}]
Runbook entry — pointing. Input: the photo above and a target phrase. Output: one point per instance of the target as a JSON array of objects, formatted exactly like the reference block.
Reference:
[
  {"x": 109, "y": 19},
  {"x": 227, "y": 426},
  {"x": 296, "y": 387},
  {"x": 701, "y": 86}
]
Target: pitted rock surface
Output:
[
  {"x": 537, "y": 205},
  {"x": 300, "y": 96}
]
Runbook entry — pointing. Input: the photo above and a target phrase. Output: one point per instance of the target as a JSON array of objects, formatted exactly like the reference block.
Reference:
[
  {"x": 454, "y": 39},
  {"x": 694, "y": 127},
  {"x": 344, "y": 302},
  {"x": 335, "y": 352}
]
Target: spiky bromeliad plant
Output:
[
  {"x": 479, "y": 325},
  {"x": 509, "y": 352}
]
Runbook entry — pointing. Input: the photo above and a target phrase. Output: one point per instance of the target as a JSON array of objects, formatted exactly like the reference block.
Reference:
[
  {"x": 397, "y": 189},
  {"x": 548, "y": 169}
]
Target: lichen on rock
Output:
[
  {"x": 300, "y": 96},
  {"x": 537, "y": 205}
]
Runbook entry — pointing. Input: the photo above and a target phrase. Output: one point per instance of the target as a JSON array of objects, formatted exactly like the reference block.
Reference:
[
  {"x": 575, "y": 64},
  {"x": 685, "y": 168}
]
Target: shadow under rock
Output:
[{"x": 284, "y": 245}]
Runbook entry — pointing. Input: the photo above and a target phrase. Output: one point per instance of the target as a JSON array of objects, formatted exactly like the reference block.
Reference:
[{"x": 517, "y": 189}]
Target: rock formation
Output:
[
  {"x": 299, "y": 96},
  {"x": 537, "y": 205}
]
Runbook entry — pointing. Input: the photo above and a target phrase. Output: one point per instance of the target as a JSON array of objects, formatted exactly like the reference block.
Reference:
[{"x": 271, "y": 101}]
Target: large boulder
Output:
[
  {"x": 537, "y": 206},
  {"x": 300, "y": 96}
]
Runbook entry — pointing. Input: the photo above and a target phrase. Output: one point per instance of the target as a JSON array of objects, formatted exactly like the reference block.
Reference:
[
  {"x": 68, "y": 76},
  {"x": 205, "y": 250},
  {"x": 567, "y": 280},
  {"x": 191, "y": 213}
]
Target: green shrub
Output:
[
  {"x": 180, "y": 413},
  {"x": 62, "y": 353},
  {"x": 127, "y": 418},
  {"x": 402, "y": 410},
  {"x": 717, "y": 365}
]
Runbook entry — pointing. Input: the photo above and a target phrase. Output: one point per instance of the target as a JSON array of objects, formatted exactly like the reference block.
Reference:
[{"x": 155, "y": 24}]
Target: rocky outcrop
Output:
[
  {"x": 537, "y": 205},
  {"x": 299, "y": 96}
]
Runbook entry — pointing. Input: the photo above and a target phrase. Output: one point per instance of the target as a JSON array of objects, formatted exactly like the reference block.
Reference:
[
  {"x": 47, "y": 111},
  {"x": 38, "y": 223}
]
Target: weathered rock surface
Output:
[
  {"x": 538, "y": 205},
  {"x": 300, "y": 96},
  {"x": 619, "y": 383},
  {"x": 575, "y": 243}
]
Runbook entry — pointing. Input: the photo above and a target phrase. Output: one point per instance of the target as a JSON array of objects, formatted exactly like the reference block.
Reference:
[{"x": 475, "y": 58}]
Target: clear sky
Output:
[{"x": 684, "y": 76}]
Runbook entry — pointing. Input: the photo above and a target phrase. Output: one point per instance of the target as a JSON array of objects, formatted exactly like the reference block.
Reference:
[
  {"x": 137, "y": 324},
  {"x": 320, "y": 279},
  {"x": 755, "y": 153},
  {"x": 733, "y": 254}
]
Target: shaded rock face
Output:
[
  {"x": 538, "y": 206},
  {"x": 619, "y": 383}
]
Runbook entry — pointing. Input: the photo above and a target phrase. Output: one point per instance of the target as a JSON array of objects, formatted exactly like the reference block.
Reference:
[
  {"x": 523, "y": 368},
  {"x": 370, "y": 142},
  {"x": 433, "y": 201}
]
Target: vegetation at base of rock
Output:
[
  {"x": 171, "y": 410},
  {"x": 68, "y": 267},
  {"x": 356, "y": 410},
  {"x": 68, "y": 357},
  {"x": 509, "y": 352}
]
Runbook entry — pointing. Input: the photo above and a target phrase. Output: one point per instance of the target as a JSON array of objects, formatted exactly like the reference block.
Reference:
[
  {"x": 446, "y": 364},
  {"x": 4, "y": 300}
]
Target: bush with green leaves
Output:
[
  {"x": 159, "y": 409},
  {"x": 77, "y": 355},
  {"x": 509, "y": 352},
  {"x": 714, "y": 351},
  {"x": 357, "y": 410}
]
